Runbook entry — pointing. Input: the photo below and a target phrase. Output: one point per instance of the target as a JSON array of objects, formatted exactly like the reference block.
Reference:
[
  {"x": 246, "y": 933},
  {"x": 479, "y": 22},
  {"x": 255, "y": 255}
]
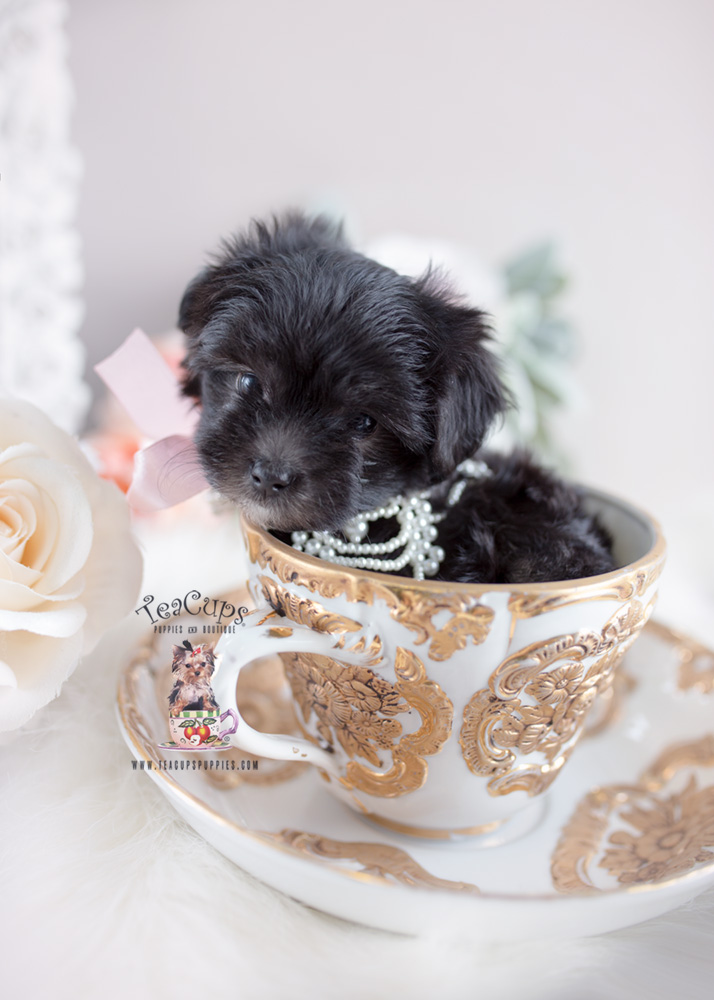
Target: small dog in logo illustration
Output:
[{"x": 192, "y": 668}]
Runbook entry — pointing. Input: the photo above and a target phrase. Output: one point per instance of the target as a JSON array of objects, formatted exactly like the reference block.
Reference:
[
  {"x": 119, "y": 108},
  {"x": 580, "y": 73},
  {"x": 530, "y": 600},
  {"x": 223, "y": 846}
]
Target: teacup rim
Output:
[{"x": 655, "y": 554}]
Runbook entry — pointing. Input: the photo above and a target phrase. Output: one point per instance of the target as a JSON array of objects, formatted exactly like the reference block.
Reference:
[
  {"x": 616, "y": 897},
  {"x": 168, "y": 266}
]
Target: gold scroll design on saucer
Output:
[
  {"x": 358, "y": 710},
  {"x": 634, "y": 585},
  {"x": 652, "y": 833},
  {"x": 695, "y": 669},
  {"x": 409, "y": 606},
  {"x": 537, "y": 701},
  {"x": 303, "y": 611},
  {"x": 384, "y": 861}
]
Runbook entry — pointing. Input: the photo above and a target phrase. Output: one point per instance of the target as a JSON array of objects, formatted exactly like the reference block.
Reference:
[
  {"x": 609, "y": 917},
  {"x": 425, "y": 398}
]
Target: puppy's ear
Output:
[
  {"x": 194, "y": 313},
  {"x": 468, "y": 393},
  {"x": 180, "y": 655},
  {"x": 195, "y": 304}
]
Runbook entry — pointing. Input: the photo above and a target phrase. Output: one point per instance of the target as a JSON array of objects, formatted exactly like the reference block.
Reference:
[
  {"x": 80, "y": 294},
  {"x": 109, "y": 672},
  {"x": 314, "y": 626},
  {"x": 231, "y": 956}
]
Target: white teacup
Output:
[{"x": 440, "y": 709}]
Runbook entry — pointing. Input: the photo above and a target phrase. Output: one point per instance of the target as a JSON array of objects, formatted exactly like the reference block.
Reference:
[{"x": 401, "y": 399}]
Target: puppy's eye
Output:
[
  {"x": 364, "y": 424},
  {"x": 247, "y": 383}
]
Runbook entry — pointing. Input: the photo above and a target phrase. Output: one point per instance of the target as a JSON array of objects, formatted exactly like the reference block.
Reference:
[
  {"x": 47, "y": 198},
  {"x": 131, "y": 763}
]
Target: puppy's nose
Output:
[{"x": 270, "y": 477}]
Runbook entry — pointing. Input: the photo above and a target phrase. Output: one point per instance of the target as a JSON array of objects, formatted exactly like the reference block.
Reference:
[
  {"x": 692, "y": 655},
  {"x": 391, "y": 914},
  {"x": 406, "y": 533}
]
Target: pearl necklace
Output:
[{"x": 417, "y": 535}]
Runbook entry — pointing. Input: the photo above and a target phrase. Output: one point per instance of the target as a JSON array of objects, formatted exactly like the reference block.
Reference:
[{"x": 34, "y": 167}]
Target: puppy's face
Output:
[
  {"x": 327, "y": 382},
  {"x": 193, "y": 667}
]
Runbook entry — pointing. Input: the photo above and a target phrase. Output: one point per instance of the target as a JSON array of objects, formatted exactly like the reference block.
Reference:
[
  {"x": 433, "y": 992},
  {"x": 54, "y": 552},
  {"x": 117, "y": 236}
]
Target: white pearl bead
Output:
[{"x": 413, "y": 541}]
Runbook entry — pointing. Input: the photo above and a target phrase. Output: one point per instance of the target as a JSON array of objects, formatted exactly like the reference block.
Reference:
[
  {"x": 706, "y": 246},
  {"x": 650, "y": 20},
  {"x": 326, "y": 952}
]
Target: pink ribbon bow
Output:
[{"x": 167, "y": 471}]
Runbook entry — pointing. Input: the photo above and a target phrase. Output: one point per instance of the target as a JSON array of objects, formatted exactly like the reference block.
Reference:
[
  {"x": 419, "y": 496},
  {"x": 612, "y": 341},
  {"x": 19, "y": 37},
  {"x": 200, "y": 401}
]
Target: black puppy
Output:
[{"x": 329, "y": 383}]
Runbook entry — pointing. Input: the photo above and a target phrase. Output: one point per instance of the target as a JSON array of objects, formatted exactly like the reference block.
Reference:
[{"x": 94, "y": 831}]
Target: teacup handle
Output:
[
  {"x": 263, "y": 633},
  {"x": 233, "y": 725}
]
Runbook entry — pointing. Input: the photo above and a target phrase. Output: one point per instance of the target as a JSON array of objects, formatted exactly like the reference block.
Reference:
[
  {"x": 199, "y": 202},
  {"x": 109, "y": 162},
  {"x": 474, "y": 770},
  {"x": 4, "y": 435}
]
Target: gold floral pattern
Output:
[
  {"x": 409, "y": 769},
  {"x": 381, "y": 860},
  {"x": 468, "y": 619},
  {"x": 529, "y": 707},
  {"x": 356, "y": 709},
  {"x": 642, "y": 833},
  {"x": 670, "y": 835}
]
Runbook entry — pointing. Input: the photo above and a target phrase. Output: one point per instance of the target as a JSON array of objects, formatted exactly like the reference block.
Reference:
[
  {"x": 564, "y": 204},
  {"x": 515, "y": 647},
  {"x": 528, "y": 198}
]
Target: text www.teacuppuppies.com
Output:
[{"x": 195, "y": 765}]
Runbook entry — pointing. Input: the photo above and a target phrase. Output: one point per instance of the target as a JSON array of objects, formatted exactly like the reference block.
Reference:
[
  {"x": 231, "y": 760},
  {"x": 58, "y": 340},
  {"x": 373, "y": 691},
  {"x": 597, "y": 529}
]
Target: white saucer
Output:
[{"x": 628, "y": 831}]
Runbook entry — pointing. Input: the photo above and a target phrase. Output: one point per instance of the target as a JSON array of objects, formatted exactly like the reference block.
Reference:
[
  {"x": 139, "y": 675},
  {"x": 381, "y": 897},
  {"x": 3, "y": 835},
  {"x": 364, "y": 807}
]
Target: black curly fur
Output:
[{"x": 359, "y": 384}]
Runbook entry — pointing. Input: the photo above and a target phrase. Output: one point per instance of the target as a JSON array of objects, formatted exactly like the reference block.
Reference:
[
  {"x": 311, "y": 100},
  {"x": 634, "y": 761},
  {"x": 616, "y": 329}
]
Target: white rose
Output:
[{"x": 69, "y": 568}]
